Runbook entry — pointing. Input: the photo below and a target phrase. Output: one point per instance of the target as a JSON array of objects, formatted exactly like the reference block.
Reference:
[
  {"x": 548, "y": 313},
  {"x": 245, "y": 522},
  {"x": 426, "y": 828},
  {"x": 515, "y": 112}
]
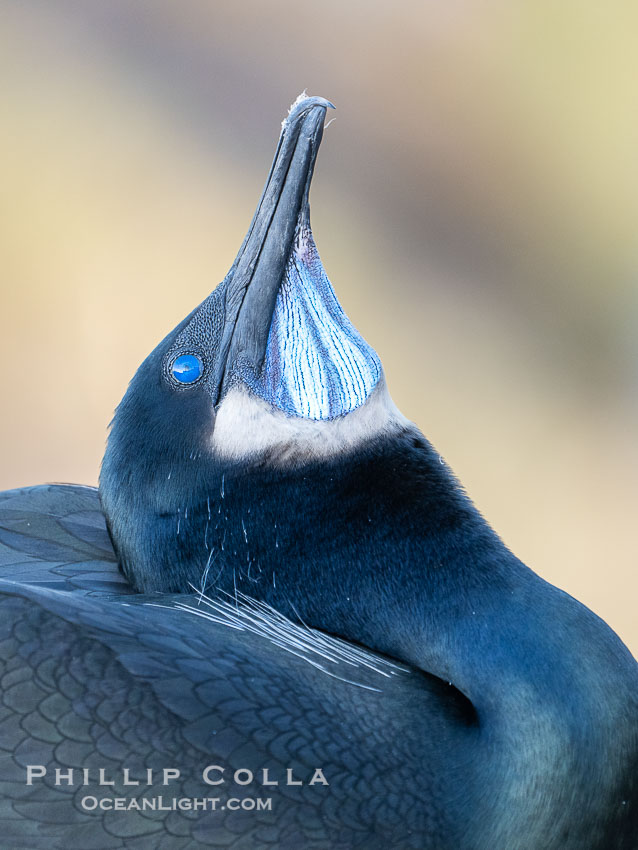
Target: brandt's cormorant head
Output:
[{"x": 268, "y": 371}]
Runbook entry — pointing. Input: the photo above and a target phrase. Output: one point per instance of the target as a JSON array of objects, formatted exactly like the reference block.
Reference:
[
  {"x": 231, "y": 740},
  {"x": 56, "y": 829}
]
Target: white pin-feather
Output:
[{"x": 326, "y": 653}]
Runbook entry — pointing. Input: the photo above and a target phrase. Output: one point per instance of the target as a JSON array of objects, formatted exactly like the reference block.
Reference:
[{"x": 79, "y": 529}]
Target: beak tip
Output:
[{"x": 302, "y": 105}]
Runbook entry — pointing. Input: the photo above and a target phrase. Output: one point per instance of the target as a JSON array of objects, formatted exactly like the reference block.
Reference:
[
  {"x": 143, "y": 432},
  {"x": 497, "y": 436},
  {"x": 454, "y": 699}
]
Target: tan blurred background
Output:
[{"x": 475, "y": 205}]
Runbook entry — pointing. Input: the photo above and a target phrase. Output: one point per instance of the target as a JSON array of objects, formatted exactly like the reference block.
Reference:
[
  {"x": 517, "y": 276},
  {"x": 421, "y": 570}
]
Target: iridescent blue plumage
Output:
[{"x": 512, "y": 719}]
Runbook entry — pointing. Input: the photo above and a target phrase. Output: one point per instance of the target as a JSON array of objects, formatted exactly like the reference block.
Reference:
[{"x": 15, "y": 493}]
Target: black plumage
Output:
[{"x": 328, "y": 598}]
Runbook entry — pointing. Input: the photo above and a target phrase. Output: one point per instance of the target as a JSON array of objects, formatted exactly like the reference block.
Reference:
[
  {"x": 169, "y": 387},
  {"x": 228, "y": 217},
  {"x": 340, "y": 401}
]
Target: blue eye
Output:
[{"x": 187, "y": 368}]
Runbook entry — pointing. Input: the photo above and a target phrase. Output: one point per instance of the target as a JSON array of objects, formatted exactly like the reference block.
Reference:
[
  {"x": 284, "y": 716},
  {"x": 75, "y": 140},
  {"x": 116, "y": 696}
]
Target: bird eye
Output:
[{"x": 187, "y": 368}]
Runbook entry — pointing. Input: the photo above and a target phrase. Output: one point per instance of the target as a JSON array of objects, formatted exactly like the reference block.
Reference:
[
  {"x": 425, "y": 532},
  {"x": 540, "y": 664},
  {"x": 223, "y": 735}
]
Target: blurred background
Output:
[{"x": 475, "y": 206}]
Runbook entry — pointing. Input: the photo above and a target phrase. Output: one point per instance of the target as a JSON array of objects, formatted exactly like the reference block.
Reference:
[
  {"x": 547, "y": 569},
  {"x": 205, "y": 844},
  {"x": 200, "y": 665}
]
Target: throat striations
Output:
[{"x": 317, "y": 364}]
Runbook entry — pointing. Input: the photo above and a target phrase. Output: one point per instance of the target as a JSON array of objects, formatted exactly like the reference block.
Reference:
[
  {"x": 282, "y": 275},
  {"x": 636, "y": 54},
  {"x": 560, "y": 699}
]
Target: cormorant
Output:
[{"x": 305, "y": 590}]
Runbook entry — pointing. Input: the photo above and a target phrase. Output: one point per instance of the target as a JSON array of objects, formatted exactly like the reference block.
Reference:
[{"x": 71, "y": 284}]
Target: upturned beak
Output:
[{"x": 253, "y": 281}]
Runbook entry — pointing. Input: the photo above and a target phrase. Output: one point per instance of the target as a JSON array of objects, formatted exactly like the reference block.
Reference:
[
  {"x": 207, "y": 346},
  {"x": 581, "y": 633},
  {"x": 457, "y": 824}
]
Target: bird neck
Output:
[
  {"x": 381, "y": 547},
  {"x": 384, "y": 549}
]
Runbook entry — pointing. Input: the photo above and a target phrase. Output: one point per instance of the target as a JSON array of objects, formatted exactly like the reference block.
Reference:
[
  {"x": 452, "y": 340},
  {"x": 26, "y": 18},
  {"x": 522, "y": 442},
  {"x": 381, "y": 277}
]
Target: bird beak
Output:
[{"x": 253, "y": 282}]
